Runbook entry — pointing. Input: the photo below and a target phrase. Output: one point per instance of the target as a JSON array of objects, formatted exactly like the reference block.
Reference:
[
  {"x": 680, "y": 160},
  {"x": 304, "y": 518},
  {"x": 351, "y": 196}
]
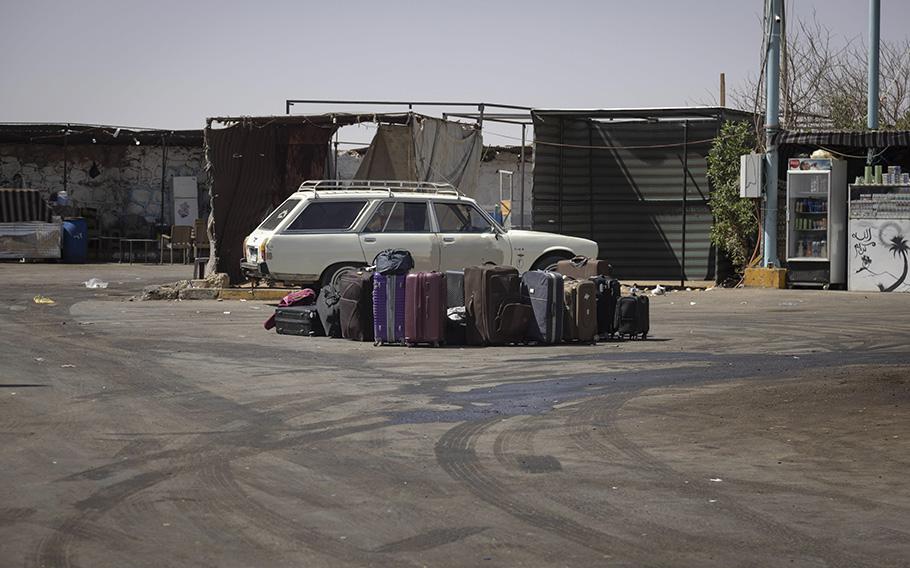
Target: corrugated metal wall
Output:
[{"x": 628, "y": 198}]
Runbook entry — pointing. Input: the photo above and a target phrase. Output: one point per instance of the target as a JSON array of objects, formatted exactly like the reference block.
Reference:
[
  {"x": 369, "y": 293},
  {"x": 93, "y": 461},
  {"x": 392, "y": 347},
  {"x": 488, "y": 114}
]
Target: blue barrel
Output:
[{"x": 75, "y": 241}]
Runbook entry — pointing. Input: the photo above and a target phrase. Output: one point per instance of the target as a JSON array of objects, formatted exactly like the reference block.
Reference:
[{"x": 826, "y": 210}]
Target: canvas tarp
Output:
[
  {"x": 390, "y": 156},
  {"x": 427, "y": 149},
  {"x": 253, "y": 168}
]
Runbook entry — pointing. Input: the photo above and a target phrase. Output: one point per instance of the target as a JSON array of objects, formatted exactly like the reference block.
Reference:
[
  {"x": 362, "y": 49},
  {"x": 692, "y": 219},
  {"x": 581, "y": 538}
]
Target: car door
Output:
[
  {"x": 402, "y": 224},
  {"x": 467, "y": 237}
]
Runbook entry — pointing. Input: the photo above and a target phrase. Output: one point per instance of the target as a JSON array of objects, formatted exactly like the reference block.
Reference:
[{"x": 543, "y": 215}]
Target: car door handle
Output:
[
  {"x": 448, "y": 239},
  {"x": 369, "y": 239}
]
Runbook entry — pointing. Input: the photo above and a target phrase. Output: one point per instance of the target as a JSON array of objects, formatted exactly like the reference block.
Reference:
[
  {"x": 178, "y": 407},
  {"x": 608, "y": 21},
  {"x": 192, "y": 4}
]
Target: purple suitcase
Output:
[
  {"x": 425, "y": 314},
  {"x": 388, "y": 308}
]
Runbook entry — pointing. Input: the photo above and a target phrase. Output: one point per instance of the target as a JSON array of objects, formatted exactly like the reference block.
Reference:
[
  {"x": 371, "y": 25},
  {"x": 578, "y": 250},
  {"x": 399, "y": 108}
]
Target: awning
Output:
[
  {"x": 23, "y": 205},
  {"x": 855, "y": 139}
]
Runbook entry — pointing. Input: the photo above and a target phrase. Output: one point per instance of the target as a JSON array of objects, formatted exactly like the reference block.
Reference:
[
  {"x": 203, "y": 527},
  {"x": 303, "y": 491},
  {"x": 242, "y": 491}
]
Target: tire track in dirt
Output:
[
  {"x": 56, "y": 550},
  {"x": 292, "y": 531},
  {"x": 456, "y": 454},
  {"x": 799, "y": 542},
  {"x": 165, "y": 391},
  {"x": 516, "y": 441}
]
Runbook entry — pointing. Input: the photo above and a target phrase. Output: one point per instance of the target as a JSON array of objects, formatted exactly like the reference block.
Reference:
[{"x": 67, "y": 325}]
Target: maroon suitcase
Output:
[{"x": 425, "y": 308}]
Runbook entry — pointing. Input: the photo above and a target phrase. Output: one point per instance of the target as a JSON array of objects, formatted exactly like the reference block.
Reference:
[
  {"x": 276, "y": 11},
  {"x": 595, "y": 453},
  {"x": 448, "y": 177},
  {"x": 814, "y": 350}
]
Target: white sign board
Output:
[
  {"x": 186, "y": 200},
  {"x": 879, "y": 255}
]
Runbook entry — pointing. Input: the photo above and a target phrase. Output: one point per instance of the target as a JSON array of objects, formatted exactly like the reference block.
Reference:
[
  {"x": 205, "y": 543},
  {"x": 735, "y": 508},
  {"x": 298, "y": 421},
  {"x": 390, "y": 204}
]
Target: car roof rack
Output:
[{"x": 385, "y": 186}]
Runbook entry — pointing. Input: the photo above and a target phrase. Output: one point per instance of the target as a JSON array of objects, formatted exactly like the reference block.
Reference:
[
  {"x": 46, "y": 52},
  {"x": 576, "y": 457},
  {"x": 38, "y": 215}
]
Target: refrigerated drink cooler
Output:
[{"x": 816, "y": 222}]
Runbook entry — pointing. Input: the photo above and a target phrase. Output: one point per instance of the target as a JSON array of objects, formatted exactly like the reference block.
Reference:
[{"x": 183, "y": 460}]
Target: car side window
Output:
[
  {"x": 278, "y": 215},
  {"x": 460, "y": 218},
  {"x": 399, "y": 217},
  {"x": 327, "y": 216}
]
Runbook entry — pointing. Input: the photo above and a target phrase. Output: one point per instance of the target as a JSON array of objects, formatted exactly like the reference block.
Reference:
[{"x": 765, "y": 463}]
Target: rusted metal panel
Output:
[{"x": 253, "y": 168}]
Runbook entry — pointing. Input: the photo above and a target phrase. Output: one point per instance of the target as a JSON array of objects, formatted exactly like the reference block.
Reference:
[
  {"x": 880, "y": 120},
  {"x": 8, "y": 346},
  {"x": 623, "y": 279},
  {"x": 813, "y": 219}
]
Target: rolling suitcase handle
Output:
[{"x": 579, "y": 261}]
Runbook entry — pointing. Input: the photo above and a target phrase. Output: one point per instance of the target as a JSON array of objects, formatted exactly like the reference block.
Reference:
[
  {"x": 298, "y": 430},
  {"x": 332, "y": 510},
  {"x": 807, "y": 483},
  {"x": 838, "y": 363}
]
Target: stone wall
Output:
[{"x": 126, "y": 187}]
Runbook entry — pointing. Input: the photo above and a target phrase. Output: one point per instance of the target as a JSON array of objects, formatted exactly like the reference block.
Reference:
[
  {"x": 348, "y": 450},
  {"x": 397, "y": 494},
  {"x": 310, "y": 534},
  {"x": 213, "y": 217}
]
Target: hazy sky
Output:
[{"x": 170, "y": 64}]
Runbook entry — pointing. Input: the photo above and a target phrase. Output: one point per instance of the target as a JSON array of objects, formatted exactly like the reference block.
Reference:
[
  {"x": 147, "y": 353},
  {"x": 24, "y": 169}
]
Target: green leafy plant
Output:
[{"x": 735, "y": 223}]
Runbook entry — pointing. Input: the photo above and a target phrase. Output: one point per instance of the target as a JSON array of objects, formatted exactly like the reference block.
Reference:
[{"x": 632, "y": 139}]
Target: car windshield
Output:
[{"x": 279, "y": 214}]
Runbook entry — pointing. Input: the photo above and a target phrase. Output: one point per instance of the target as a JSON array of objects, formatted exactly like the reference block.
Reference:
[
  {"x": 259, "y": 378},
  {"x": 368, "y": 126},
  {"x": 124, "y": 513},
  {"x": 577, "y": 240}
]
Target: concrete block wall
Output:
[{"x": 127, "y": 190}]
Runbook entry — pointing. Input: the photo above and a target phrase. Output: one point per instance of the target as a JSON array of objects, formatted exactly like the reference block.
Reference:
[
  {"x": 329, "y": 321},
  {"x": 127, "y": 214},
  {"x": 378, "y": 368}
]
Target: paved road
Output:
[{"x": 758, "y": 428}]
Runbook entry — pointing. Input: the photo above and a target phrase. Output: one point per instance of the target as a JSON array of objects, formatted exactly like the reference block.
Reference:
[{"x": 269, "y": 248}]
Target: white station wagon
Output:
[{"x": 327, "y": 228}]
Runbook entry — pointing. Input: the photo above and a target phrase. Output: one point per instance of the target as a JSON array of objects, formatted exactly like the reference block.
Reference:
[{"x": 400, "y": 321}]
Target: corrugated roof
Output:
[
  {"x": 54, "y": 133},
  {"x": 646, "y": 113},
  {"x": 856, "y": 139}
]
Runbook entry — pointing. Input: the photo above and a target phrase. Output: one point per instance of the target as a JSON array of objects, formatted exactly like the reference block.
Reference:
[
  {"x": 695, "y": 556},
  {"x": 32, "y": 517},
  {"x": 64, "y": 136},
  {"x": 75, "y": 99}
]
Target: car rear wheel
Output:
[
  {"x": 332, "y": 275},
  {"x": 548, "y": 261}
]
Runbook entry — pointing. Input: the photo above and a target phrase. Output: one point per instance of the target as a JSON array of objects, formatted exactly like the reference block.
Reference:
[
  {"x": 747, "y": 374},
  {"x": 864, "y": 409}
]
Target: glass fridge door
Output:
[{"x": 807, "y": 209}]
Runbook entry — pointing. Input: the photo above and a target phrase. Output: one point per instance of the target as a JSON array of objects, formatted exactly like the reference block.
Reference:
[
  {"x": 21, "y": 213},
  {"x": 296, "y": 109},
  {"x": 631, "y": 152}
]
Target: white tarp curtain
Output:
[
  {"x": 30, "y": 240},
  {"x": 429, "y": 149}
]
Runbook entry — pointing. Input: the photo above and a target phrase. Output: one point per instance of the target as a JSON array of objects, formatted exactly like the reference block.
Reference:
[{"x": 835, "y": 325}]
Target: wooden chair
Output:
[
  {"x": 200, "y": 238},
  {"x": 181, "y": 238}
]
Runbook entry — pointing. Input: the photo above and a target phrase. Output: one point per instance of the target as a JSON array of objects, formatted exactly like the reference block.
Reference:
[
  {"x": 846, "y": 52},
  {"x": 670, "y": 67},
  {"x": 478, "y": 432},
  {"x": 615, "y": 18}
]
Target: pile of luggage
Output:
[{"x": 390, "y": 304}]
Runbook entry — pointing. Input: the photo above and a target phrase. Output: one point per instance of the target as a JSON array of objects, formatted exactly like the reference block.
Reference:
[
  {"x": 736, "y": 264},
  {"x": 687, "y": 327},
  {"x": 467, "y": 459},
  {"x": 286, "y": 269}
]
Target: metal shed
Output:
[{"x": 634, "y": 180}]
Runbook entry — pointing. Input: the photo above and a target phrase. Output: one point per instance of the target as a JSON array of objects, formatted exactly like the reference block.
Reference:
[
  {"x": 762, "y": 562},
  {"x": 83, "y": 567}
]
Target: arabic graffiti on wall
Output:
[{"x": 880, "y": 255}]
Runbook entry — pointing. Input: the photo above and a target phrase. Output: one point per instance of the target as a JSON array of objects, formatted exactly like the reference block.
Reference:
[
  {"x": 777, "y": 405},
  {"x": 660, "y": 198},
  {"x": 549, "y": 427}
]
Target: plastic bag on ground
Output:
[{"x": 95, "y": 283}]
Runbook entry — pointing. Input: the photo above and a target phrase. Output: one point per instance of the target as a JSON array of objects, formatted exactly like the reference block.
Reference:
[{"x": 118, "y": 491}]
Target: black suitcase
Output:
[
  {"x": 454, "y": 288},
  {"x": 543, "y": 291},
  {"x": 608, "y": 291},
  {"x": 357, "y": 306},
  {"x": 298, "y": 320},
  {"x": 632, "y": 318},
  {"x": 328, "y": 306}
]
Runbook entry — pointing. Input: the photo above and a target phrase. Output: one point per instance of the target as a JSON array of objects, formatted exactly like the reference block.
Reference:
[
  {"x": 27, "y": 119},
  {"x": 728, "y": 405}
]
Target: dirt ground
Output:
[{"x": 756, "y": 428}]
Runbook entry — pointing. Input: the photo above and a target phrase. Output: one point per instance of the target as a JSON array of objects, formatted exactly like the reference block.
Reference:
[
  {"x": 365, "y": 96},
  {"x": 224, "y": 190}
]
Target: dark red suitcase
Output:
[{"x": 425, "y": 308}]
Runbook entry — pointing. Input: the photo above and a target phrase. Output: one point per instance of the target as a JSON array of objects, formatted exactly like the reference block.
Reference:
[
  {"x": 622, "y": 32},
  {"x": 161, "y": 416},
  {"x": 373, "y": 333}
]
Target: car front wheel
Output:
[{"x": 548, "y": 261}]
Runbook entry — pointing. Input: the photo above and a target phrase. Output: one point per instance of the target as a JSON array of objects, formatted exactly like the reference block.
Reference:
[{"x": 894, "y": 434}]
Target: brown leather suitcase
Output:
[
  {"x": 581, "y": 311},
  {"x": 582, "y": 267},
  {"x": 496, "y": 314},
  {"x": 425, "y": 308}
]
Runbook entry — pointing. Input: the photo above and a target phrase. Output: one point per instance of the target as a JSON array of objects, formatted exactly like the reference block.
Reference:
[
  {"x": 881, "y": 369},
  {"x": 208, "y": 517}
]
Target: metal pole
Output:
[
  {"x": 521, "y": 158},
  {"x": 163, "y": 176},
  {"x": 772, "y": 124},
  {"x": 723, "y": 90},
  {"x": 872, "y": 80},
  {"x": 66, "y": 131},
  {"x": 685, "y": 198},
  {"x": 335, "y": 167}
]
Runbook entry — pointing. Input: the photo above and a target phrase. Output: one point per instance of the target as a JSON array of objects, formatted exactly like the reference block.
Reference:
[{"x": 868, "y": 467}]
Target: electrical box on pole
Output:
[{"x": 750, "y": 175}]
